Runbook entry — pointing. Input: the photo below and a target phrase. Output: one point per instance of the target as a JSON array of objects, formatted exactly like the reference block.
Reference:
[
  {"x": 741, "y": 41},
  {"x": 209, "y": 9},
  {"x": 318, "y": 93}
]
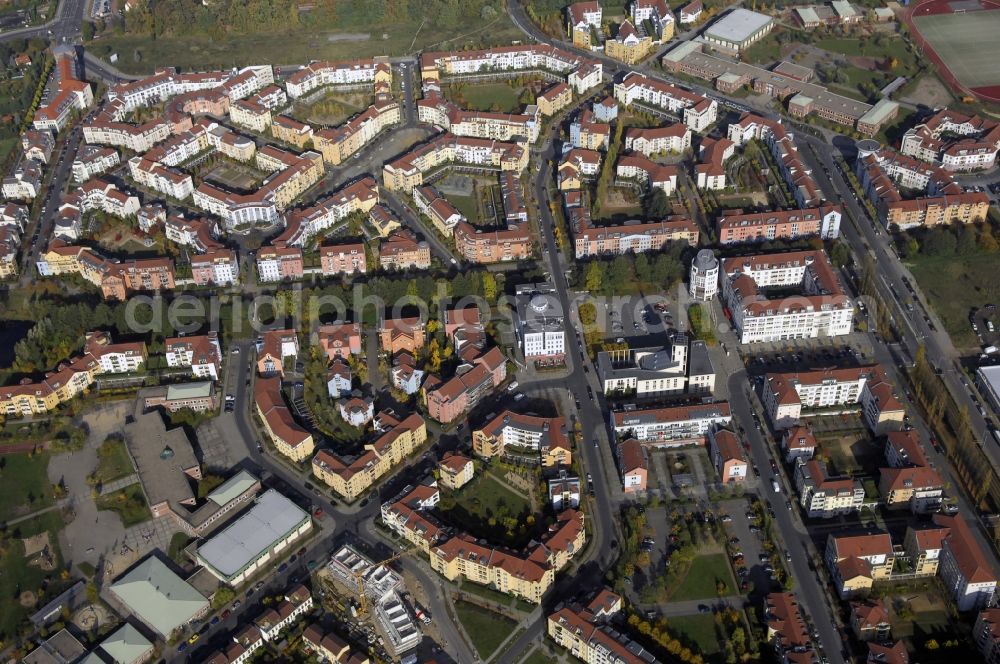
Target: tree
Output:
[
  {"x": 489, "y": 287},
  {"x": 222, "y": 597},
  {"x": 940, "y": 242},
  {"x": 594, "y": 277},
  {"x": 967, "y": 241},
  {"x": 987, "y": 242},
  {"x": 656, "y": 205}
]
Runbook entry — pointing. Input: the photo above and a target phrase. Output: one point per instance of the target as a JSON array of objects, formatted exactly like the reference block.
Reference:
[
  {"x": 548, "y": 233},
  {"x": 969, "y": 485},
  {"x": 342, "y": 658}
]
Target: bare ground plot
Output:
[
  {"x": 234, "y": 178},
  {"x": 930, "y": 92},
  {"x": 850, "y": 452},
  {"x": 333, "y": 108},
  {"x": 967, "y": 44}
]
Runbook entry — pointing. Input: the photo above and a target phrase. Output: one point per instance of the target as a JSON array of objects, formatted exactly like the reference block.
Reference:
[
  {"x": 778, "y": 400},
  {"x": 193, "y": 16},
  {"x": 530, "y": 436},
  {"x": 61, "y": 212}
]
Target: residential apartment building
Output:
[
  {"x": 357, "y": 73},
  {"x": 516, "y": 434},
  {"x": 279, "y": 264},
  {"x": 823, "y": 308},
  {"x": 527, "y": 574},
  {"x": 402, "y": 250},
  {"x": 397, "y": 439},
  {"x": 554, "y": 98},
  {"x": 728, "y": 456},
  {"x": 407, "y": 333},
  {"x": 589, "y": 636},
  {"x": 582, "y": 19},
  {"x": 586, "y": 133},
  {"x": 438, "y": 209},
  {"x": 964, "y": 568},
  {"x": 956, "y": 141},
  {"x": 652, "y": 141},
  {"x": 824, "y": 496},
  {"x": 201, "y": 353},
  {"x": 631, "y": 236},
  {"x": 856, "y": 561},
  {"x": 478, "y": 245},
  {"x": 275, "y": 347},
  {"x": 276, "y": 420},
  {"x": 304, "y": 224},
  {"x": 339, "y": 339},
  {"x": 639, "y": 169},
  {"x": 628, "y": 45},
  {"x": 711, "y": 172},
  {"x": 218, "y": 266},
  {"x": 784, "y": 396},
  {"x": 455, "y": 471},
  {"x": 406, "y": 172},
  {"x": 737, "y": 226},
  {"x": 475, "y": 378},
  {"x": 986, "y": 635},
  {"x": 93, "y": 160},
  {"x": 657, "y": 12},
  {"x": 340, "y": 143},
  {"x": 343, "y": 259},
  {"x": 786, "y": 625}
]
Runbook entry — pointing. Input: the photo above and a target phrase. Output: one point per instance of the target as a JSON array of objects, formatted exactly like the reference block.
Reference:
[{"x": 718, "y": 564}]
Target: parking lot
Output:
[{"x": 801, "y": 354}]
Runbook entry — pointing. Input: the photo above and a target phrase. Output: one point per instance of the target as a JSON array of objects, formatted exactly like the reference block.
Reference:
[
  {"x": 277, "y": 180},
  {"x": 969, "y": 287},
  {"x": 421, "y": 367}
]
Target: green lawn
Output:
[
  {"x": 700, "y": 581},
  {"x": 199, "y": 51},
  {"x": 954, "y": 286},
  {"x": 467, "y": 205},
  {"x": 113, "y": 462},
  {"x": 26, "y": 486},
  {"x": 486, "y": 629},
  {"x": 18, "y": 574},
  {"x": 538, "y": 657},
  {"x": 6, "y": 145},
  {"x": 700, "y": 629},
  {"x": 129, "y": 504},
  {"x": 491, "y": 96},
  {"x": 766, "y": 51}
]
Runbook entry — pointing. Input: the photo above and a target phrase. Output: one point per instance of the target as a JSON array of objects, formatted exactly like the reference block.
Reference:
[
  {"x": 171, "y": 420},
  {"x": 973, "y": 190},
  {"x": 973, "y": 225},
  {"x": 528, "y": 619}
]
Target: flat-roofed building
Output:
[
  {"x": 251, "y": 541},
  {"x": 672, "y": 426},
  {"x": 157, "y": 596},
  {"x": 738, "y": 29}
]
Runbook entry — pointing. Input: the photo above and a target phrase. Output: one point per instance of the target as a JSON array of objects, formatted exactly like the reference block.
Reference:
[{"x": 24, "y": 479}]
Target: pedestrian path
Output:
[{"x": 118, "y": 484}]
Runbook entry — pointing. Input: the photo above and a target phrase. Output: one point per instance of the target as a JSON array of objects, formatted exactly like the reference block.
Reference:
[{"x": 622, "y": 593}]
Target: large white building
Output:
[
  {"x": 541, "y": 328},
  {"x": 670, "y": 426},
  {"x": 822, "y": 310},
  {"x": 656, "y": 371},
  {"x": 251, "y": 541}
]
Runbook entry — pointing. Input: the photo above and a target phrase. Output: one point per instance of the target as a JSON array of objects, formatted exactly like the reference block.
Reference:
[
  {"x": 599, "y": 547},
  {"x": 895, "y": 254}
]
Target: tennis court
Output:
[{"x": 967, "y": 43}]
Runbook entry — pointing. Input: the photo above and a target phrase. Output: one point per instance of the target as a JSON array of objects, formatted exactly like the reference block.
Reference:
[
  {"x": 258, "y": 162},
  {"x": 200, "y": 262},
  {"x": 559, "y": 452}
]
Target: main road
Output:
[{"x": 64, "y": 28}]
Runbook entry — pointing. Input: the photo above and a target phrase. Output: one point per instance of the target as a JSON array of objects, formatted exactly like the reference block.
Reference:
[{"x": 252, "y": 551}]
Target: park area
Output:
[
  {"x": 486, "y": 629},
  {"x": 966, "y": 42},
  {"x": 128, "y": 503},
  {"x": 492, "y": 508},
  {"x": 708, "y": 576},
  {"x": 29, "y": 561}
]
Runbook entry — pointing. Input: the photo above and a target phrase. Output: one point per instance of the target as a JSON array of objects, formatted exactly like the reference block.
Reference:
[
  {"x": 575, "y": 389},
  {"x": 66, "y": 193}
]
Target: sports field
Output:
[{"x": 967, "y": 43}]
